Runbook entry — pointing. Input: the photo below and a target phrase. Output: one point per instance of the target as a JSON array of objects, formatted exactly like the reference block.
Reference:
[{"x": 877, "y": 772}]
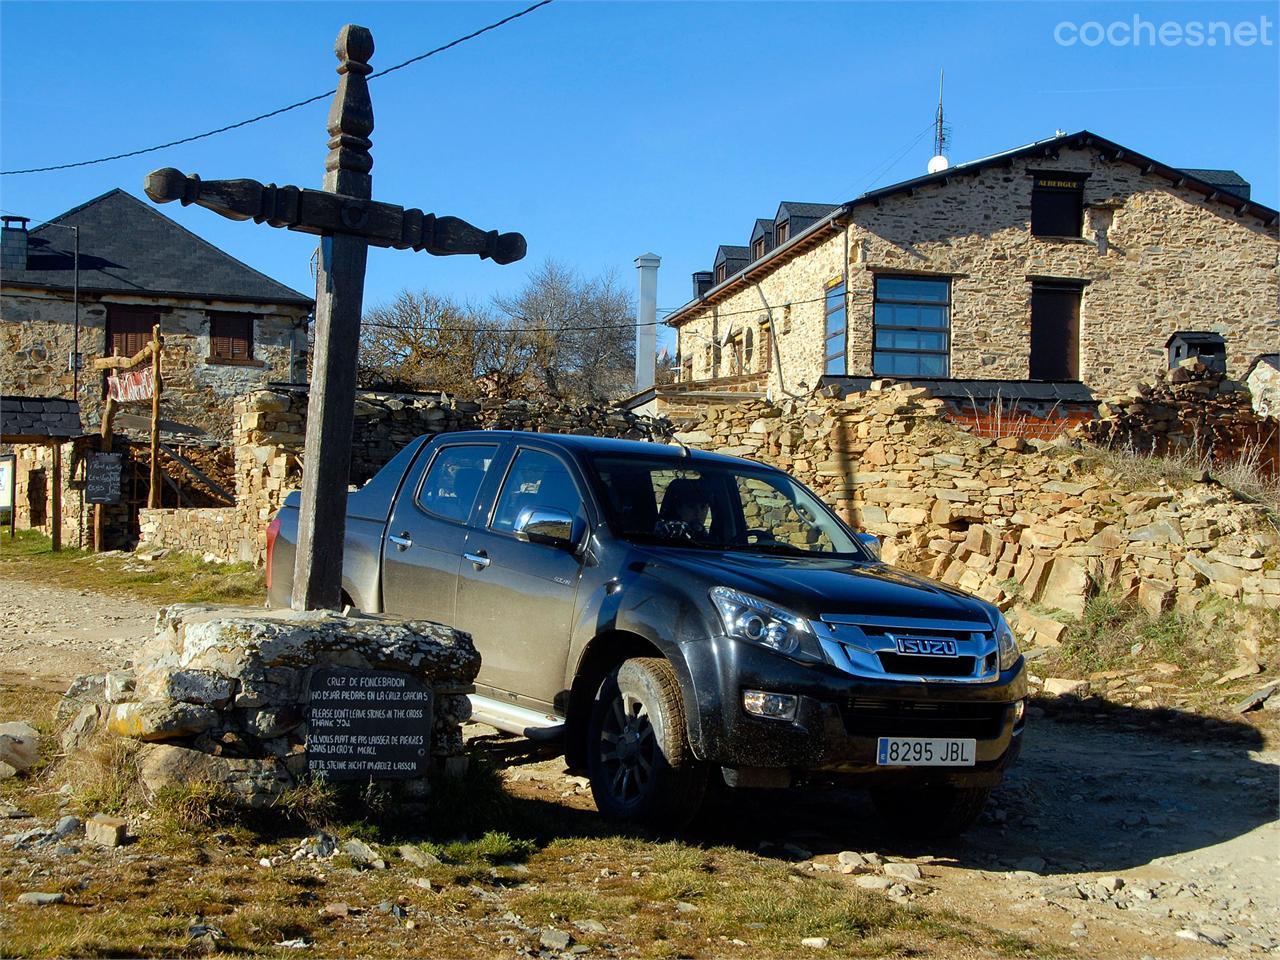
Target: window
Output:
[
  {"x": 1057, "y": 205},
  {"x": 129, "y": 329},
  {"x": 912, "y": 327},
  {"x": 735, "y": 354},
  {"x": 450, "y": 487},
  {"x": 782, "y": 233},
  {"x": 834, "y": 353},
  {"x": 722, "y": 272},
  {"x": 536, "y": 480},
  {"x": 231, "y": 337},
  {"x": 766, "y": 346},
  {"x": 757, "y": 249},
  {"x": 748, "y": 350}
]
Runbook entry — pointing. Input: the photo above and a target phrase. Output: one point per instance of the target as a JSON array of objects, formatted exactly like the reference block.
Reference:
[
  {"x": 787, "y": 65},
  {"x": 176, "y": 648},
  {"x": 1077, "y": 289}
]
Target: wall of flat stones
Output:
[
  {"x": 1153, "y": 259},
  {"x": 214, "y": 533},
  {"x": 269, "y": 428},
  {"x": 37, "y": 336},
  {"x": 1020, "y": 523}
]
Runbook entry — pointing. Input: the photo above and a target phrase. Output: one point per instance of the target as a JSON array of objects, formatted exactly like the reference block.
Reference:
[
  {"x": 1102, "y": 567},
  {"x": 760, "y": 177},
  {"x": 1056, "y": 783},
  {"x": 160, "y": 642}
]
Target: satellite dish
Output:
[{"x": 938, "y": 164}]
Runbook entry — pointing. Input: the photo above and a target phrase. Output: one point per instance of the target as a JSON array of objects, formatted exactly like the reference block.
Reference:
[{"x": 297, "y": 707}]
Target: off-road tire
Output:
[
  {"x": 930, "y": 810},
  {"x": 642, "y": 695}
]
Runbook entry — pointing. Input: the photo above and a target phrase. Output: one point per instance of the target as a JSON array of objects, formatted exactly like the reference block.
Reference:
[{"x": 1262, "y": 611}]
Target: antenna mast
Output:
[{"x": 941, "y": 135}]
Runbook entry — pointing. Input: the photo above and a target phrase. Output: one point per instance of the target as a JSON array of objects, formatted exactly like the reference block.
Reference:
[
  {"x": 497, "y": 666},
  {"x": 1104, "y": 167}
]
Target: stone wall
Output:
[
  {"x": 214, "y": 533},
  {"x": 37, "y": 337},
  {"x": 1017, "y": 522},
  {"x": 269, "y": 430},
  {"x": 1153, "y": 259}
]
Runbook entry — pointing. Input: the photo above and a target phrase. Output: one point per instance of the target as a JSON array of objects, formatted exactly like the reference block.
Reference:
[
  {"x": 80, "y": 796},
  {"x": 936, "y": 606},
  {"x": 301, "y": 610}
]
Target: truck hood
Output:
[{"x": 812, "y": 586}]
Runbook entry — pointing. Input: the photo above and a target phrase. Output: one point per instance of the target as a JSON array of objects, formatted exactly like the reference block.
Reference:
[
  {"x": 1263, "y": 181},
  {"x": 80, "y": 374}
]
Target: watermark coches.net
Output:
[{"x": 1141, "y": 32}]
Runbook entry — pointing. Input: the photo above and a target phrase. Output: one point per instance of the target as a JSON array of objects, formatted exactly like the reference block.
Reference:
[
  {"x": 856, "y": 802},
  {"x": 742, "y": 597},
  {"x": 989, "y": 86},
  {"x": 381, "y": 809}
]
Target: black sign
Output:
[
  {"x": 102, "y": 485},
  {"x": 368, "y": 724}
]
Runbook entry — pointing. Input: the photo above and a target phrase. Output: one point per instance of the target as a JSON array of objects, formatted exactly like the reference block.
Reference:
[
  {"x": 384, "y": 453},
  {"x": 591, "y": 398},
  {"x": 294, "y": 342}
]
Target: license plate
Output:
[{"x": 925, "y": 752}]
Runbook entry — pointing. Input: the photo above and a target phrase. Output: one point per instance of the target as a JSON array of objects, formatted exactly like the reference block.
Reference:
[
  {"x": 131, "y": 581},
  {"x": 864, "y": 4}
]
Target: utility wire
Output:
[{"x": 280, "y": 110}]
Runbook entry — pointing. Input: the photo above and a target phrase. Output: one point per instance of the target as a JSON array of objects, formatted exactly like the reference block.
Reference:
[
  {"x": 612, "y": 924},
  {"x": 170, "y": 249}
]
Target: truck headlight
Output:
[
  {"x": 750, "y": 618},
  {"x": 1006, "y": 643}
]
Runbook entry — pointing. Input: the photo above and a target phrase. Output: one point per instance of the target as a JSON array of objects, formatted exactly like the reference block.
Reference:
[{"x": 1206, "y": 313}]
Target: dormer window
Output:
[
  {"x": 722, "y": 272},
  {"x": 757, "y": 249},
  {"x": 782, "y": 233}
]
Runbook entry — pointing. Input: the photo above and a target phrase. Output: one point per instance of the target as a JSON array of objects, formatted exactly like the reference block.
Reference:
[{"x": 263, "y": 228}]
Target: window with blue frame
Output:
[
  {"x": 837, "y": 329},
  {"x": 912, "y": 327}
]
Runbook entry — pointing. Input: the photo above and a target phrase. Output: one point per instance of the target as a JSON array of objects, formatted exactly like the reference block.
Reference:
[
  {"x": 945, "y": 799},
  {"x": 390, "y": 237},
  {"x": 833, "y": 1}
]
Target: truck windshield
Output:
[{"x": 717, "y": 506}]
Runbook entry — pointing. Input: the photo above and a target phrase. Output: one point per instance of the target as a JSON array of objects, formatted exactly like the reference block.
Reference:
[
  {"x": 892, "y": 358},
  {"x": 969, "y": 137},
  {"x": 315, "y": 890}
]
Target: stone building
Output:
[
  {"x": 1068, "y": 261},
  {"x": 228, "y": 329}
]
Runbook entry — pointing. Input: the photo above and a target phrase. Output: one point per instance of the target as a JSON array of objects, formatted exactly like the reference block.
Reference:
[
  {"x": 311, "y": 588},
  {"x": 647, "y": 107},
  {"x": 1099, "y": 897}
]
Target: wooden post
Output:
[
  {"x": 56, "y": 526},
  {"x": 153, "y": 495}
]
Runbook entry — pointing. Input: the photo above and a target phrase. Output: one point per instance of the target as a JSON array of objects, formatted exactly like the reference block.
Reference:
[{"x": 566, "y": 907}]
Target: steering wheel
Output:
[{"x": 761, "y": 536}]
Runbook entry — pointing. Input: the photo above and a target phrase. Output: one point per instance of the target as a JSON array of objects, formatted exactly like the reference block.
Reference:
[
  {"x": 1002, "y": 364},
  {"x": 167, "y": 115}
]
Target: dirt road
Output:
[{"x": 1113, "y": 836}]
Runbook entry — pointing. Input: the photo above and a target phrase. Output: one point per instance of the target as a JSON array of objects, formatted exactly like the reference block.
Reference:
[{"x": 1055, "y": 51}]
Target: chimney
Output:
[
  {"x": 647, "y": 320},
  {"x": 703, "y": 281},
  {"x": 13, "y": 244}
]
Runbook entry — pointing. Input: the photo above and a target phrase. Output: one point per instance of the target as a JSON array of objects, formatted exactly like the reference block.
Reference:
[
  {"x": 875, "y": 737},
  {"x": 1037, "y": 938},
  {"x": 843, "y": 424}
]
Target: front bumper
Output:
[{"x": 839, "y": 717}]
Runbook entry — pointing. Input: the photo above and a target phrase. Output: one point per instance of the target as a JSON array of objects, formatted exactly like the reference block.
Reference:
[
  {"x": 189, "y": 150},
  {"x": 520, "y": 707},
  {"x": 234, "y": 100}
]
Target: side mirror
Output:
[
  {"x": 870, "y": 542},
  {"x": 547, "y": 525}
]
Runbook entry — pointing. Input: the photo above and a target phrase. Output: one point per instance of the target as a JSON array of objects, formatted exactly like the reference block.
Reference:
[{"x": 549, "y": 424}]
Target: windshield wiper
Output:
[{"x": 782, "y": 548}]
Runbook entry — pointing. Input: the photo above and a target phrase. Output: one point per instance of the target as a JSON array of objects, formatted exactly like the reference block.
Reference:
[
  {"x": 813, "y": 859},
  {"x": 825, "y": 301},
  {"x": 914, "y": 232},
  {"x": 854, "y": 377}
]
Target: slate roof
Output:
[
  {"x": 1030, "y": 391},
  {"x": 126, "y": 246},
  {"x": 50, "y": 417},
  {"x": 1228, "y": 180},
  {"x": 805, "y": 211},
  {"x": 764, "y": 227},
  {"x": 732, "y": 254}
]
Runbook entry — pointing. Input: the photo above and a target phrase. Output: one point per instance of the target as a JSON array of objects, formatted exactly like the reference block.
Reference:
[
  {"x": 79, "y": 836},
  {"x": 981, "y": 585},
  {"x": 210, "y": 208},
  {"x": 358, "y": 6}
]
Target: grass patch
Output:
[
  {"x": 1134, "y": 469},
  {"x": 173, "y": 578}
]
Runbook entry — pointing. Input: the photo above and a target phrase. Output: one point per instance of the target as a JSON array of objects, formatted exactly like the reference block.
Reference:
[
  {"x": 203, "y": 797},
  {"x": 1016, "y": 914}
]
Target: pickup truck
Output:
[{"x": 673, "y": 616}]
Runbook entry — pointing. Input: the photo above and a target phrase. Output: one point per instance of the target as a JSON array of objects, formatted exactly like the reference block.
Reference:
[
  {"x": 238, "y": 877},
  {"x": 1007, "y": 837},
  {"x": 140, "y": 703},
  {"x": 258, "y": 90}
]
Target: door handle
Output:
[
  {"x": 402, "y": 542},
  {"x": 481, "y": 559}
]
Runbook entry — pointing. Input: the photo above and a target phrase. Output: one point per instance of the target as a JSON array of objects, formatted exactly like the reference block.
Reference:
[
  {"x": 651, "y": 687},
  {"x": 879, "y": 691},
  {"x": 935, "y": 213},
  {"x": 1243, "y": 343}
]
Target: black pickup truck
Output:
[{"x": 673, "y": 615}]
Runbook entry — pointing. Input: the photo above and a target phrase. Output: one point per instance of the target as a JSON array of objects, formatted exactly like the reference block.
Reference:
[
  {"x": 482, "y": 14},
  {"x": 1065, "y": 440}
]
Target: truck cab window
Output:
[
  {"x": 450, "y": 487},
  {"x": 536, "y": 479}
]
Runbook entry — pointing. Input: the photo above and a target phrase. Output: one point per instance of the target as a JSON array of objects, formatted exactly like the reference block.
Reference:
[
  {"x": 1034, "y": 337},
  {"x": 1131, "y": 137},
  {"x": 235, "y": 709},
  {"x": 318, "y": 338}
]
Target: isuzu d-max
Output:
[{"x": 673, "y": 616}]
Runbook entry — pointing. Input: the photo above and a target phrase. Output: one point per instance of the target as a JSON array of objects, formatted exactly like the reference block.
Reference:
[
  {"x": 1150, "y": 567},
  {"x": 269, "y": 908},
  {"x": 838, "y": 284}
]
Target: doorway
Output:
[{"x": 1055, "y": 331}]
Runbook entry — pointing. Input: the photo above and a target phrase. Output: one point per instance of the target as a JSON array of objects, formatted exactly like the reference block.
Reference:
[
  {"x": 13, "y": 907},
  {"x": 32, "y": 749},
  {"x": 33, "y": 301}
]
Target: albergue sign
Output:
[{"x": 368, "y": 724}]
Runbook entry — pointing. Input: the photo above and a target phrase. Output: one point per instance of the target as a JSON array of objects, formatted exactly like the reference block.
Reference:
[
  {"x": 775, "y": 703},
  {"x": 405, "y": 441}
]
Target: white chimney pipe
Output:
[{"x": 647, "y": 320}]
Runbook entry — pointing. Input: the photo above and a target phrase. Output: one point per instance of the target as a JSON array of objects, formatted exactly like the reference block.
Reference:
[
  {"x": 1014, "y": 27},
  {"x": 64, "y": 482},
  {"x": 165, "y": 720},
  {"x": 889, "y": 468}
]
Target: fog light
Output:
[
  {"x": 1019, "y": 711},
  {"x": 775, "y": 706}
]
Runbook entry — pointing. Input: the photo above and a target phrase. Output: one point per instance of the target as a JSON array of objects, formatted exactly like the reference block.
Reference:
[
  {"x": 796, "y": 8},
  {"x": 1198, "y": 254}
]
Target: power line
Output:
[{"x": 275, "y": 113}]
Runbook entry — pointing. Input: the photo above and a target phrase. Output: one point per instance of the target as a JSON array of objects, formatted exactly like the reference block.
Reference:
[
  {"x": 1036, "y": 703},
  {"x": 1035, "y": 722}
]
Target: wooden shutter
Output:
[{"x": 231, "y": 336}]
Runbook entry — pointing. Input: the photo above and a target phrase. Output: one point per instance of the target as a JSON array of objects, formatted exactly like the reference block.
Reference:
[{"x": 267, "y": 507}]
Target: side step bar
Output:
[{"x": 510, "y": 718}]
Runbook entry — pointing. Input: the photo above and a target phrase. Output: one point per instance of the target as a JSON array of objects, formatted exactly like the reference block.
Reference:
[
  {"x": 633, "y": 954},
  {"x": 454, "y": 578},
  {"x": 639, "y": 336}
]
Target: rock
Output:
[
  {"x": 903, "y": 871},
  {"x": 1066, "y": 687},
  {"x": 684, "y": 907},
  {"x": 590, "y": 926},
  {"x": 418, "y": 857},
  {"x": 81, "y": 728},
  {"x": 37, "y": 899},
  {"x": 204, "y": 687},
  {"x": 850, "y": 858},
  {"x": 10, "y": 812},
  {"x": 816, "y": 943},
  {"x": 157, "y": 720},
  {"x": 336, "y": 910},
  {"x": 118, "y": 686},
  {"x": 1111, "y": 884},
  {"x": 363, "y": 854},
  {"x": 255, "y": 782},
  {"x": 1067, "y": 587},
  {"x": 1257, "y": 698},
  {"x": 873, "y": 883},
  {"x": 1246, "y": 668},
  {"x": 552, "y": 939},
  {"x": 66, "y": 826},
  {"x": 19, "y": 745},
  {"x": 6, "y": 771},
  {"x": 320, "y": 845},
  {"x": 106, "y": 831}
]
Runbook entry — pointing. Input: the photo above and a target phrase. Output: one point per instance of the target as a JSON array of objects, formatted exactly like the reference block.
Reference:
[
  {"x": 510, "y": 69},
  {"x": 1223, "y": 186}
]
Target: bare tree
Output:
[
  {"x": 580, "y": 332},
  {"x": 421, "y": 341}
]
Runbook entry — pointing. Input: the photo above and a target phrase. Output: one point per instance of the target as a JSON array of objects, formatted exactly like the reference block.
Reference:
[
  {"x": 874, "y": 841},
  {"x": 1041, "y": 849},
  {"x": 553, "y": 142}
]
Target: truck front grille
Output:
[{"x": 911, "y": 718}]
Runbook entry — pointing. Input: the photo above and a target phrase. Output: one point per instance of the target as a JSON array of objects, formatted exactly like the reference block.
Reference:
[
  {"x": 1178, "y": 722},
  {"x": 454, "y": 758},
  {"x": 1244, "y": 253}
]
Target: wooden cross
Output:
[{"x": 348, "y": 220}]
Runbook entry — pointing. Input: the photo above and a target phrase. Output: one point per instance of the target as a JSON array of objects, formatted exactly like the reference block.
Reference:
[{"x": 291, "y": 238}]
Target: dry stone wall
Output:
[{"x": 1025, "y": 525}]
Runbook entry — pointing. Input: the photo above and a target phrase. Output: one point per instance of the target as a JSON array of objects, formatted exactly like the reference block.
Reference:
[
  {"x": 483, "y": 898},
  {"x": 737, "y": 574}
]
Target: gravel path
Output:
[{"x": 50, "y": 634}]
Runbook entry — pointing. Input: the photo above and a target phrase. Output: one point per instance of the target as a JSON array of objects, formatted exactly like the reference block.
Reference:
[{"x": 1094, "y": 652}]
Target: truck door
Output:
[
  {"x": 428, "y": 531},
  {"x": 516, "y": 598}
]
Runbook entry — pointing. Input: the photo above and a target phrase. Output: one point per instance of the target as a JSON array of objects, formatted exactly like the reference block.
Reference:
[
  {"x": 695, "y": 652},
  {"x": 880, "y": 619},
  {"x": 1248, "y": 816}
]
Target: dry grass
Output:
[
  {"x": 174, "y": 578},
  {"x": 1135, "y": 469}
]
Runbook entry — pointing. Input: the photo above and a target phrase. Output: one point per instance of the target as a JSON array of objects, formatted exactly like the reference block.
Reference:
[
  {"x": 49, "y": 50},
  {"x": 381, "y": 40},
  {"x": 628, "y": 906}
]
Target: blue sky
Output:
[{"x": 604, "y": 130}]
